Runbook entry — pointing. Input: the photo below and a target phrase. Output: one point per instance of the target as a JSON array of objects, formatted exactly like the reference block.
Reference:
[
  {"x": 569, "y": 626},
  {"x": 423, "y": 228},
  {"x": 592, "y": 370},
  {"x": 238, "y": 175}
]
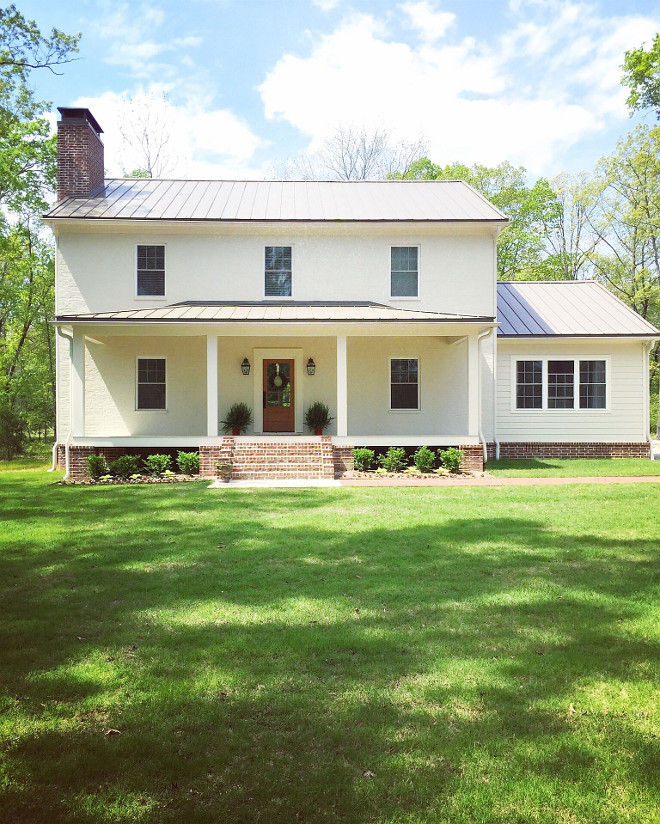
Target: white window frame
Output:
[
  {"x": 151, "y": 297},
  {"x": 419, "y": 269},
  {"x": 397, "y": 411},
  {"x": 138, "y": 358},
  {"x": 263, "y": 272},
  {"x": 576, "y": 408}
]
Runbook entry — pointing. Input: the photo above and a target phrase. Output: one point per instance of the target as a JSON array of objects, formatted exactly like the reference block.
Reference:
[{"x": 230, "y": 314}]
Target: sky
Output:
[{"x": 242, "y": 85}]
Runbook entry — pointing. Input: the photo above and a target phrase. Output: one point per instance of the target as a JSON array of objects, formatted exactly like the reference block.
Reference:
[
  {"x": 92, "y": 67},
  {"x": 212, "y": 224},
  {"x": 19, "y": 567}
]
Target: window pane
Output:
[
  {"x": 278, "y": 271},
  {"x": 404, "y": 271},
  {"x": 404, "y": 383},
  {"x": 593, "y": 393},
  {"x": 151, "y": 270},
  {"x": 151, "y": 383},
  {"x": 529, "y": 386},
  {"x": 561, "y": 380}
]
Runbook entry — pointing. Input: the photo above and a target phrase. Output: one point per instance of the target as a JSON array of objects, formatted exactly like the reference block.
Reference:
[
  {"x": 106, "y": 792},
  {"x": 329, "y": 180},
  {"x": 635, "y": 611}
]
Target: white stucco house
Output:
[{"x": 175, "y": 299}]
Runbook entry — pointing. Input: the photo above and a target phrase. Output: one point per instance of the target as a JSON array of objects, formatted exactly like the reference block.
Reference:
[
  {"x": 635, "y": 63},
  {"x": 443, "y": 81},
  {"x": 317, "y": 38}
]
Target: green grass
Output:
[
  {"x": 489, "y": 655},
  {"x": 572, "y": 468}
]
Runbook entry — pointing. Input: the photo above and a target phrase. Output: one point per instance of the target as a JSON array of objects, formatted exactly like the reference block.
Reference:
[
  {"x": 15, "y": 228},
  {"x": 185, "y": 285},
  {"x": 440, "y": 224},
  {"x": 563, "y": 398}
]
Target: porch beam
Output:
[
  {"x": 342, "y": 387},
  {"x": 212, "y": 386},
  {"x": 473, "y": 395},
  {"x": 77, "y": 394}
]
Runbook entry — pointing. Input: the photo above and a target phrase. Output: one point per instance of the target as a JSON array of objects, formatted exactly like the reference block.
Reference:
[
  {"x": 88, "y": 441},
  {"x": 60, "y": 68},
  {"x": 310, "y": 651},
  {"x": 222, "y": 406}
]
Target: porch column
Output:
[
  {"x": 77, "y": 388},
  {"x": 212, "y": 386},
  {"x": 342, "y": 387},
  {"x": 473, "y": 385}
]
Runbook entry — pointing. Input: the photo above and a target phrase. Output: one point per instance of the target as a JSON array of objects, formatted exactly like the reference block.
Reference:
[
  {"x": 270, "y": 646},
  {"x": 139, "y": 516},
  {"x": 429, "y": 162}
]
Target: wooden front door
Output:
[{"x": 279, "y": 414}]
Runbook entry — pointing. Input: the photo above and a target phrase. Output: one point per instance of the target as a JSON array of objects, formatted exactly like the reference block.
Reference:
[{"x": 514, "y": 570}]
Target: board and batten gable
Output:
[{"x": 96, "y": 264}]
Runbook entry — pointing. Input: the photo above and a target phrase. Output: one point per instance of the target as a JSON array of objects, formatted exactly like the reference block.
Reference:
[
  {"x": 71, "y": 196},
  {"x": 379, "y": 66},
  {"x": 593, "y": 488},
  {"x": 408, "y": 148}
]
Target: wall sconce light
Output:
[
  {"x": 311, "y": 367},
  {"x": 245, "y": 366}
]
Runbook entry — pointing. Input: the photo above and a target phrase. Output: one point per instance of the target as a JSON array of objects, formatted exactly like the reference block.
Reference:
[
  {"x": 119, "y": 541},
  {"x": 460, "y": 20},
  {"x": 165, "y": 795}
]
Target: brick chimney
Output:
[{"x": 79, "y": 153}]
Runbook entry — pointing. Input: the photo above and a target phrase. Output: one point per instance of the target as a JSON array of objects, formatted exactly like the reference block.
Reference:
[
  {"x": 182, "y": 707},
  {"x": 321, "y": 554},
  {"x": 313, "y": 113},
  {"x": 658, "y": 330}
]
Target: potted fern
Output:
[
  {"x": 317, "y": 417},
  {"x": 239, "y": 417}
]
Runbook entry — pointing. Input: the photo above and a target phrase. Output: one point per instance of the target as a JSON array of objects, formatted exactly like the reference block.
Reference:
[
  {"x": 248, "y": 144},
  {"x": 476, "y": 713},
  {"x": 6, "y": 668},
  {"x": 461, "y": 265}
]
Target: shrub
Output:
[
  {"x": 157, "y": 464},
  {"x": 394, "y": 459},
  {"x": 125, "y": 466},
  {"x": 363, "y": 459},
  {"x": 317, "y": 416},
  {"x": 239, "y": 417},
  {"x": 424, "y": 459},
  {"x": 451, "y": 458},
  {"x": 97, "y": 466},
  {"x": 188, "y": 462}
]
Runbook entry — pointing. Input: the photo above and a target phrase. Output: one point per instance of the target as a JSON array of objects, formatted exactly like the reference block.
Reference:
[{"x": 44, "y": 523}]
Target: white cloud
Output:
[
  {"x": 428, "y": 21},
  {"x": 203, "y": 142},
  {"x": 527, "y": 96},
  {"x": 326, "y": 5}
]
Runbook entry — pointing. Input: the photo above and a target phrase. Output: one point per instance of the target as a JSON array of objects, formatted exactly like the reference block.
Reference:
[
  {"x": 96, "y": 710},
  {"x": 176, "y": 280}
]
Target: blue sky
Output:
[{"x": 249, "y": 83}]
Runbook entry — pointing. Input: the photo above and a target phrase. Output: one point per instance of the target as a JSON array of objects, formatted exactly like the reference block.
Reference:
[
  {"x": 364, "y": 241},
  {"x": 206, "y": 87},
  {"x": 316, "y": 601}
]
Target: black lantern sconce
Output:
[
  {"x": 311, "y": 367},
  {"x": 245, "y": 366}
]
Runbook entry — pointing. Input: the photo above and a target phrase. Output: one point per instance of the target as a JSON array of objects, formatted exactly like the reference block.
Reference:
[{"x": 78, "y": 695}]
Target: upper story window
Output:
[
  {"x": 405, "y": 272},
  {"x": 404, "y": 383},
  {"x": 558, "y": 384},
  {"x": 151, "y": 386},
  {"x": 278, "y": 272},
  {"x": 151, "y": 271}
]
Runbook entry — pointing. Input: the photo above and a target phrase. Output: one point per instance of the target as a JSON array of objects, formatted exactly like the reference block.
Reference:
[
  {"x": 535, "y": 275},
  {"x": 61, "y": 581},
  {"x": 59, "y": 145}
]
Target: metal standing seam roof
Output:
[
  {"x": 280, "y": 200},
  {"x": 267, "y": 312},
  {"x": 574, "y": 308}
]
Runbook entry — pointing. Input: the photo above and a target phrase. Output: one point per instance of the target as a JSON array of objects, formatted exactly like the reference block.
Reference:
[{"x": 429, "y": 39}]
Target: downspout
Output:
[
  {"x": 67, "y": 442},
  {"x": 480, "y": 337}
]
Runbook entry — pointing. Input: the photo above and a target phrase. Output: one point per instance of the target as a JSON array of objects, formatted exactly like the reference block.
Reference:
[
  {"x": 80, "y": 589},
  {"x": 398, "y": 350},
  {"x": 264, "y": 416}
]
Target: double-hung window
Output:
[
  {"x": 278, "y": 272},
  {"x": 151, "y": 271},
  {"x": 151, "y": 385},
  {"x": 545, "y": 383},
  {"x": 404, "y": 281},
  {"x": 404, "y": 383}
]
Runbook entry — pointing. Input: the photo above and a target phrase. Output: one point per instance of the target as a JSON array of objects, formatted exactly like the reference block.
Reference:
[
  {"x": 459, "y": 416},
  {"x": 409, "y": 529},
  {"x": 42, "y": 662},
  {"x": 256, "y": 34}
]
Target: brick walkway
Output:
[{"x": 492, "y": 481}]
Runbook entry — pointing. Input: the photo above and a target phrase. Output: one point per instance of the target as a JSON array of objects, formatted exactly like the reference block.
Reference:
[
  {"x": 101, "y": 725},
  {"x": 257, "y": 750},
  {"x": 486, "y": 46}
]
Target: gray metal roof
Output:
[
  {"x": 280, "y": 200},
  {"x": 572, "y": 308},
  {"x": 269, "y": 312}
]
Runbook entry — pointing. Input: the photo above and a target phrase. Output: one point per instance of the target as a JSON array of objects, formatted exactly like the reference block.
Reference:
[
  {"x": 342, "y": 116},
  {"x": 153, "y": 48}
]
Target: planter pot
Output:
[
  {"x": 224, "y": 472},
  {"x": 318, "y": 430},
  {"x": 235, "y": 431}
]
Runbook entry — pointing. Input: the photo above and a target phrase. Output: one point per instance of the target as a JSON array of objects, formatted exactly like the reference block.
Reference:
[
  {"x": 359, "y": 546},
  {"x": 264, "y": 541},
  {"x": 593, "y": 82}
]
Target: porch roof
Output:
[{"x": 287, "y": 311}]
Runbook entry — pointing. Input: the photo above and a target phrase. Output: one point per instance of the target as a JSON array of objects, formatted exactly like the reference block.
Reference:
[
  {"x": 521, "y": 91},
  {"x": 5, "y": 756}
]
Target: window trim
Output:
[
  {"x": 419, "y": 269},
  {"x": 151, "y": 297},
  {"x": 397, "y": 410},
  {"x": 263, "y": 271},
  {"x": 576, "y": 384},
  {"x": 138, "y": 358}
]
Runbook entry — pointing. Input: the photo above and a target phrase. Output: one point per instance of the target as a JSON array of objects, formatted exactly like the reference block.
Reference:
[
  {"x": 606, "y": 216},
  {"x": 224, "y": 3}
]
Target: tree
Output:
[
  {"x": 353, "y": 153},
  {"x": 641, "y": 73},
  {"x": 569, "y": 236},
  {"x": 145, "y": 130},
  {"x": 27, "y": 174},
  {"x": 522, "y": 250}
]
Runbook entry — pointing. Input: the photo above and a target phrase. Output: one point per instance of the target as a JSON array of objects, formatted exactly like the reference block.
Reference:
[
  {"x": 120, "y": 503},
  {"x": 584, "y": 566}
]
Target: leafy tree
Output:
[
  {"x": 522, "y": 251},
  {"x": 641, "y": 73}
]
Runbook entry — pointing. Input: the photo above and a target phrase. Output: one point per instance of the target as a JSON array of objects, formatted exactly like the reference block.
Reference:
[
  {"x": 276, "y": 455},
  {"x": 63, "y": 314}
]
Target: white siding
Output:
[{"x": 623, "y": 421}]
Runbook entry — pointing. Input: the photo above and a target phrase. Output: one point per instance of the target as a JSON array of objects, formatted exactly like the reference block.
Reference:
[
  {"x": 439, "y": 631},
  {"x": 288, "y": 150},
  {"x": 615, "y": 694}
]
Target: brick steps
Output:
[{"x": 276, "y": 460}]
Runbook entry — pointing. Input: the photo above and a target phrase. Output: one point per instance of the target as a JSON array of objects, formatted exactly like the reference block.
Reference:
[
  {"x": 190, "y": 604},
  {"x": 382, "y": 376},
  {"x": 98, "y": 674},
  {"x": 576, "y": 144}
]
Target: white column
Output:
[
  {"x": 77, "y": 389},
  {"x": 212, "y": 386},
  {"x": 342, "y": 387},
  {"x": 473, "y": 385}
]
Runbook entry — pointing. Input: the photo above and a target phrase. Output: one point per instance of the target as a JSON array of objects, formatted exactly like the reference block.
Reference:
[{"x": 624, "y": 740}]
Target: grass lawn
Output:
[
  {"x": 572, "y": 468},
  {"x": 348, "y": 655}
]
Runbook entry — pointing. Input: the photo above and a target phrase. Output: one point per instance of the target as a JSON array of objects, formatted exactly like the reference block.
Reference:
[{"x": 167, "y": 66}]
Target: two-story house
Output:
[{"x": 177, "y": 298}]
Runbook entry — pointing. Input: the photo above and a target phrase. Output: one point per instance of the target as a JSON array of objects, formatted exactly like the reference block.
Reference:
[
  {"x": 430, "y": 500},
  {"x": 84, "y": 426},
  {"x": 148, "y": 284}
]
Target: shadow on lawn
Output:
[{"x": 258, "y": 668}]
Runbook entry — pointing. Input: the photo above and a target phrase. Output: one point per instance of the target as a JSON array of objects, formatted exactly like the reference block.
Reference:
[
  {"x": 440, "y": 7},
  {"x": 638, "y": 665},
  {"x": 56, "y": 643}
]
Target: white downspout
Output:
[
  {"x": 67, "y": 441},
  {"x": 647, "y": 346},
  {"x": 481, "y": 336}
]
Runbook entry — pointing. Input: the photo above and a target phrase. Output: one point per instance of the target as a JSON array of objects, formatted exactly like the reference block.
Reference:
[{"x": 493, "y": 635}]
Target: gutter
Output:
[{"x": 481, "y": 336}]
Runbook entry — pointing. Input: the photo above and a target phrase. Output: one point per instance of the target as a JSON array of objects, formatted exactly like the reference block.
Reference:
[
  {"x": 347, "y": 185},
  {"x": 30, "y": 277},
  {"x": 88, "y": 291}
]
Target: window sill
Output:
[
  {"x": 404, "y": 411},
  {"x": 517, "y": 411},
  {"x": 150, "y": 297},
  {"x": 405, "y": 297},
  {"x": 160, "y": 411}
]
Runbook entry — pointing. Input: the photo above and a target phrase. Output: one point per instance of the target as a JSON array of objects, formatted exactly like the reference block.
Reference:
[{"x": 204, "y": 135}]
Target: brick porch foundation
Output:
[{"x": 573, "y": 450}]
